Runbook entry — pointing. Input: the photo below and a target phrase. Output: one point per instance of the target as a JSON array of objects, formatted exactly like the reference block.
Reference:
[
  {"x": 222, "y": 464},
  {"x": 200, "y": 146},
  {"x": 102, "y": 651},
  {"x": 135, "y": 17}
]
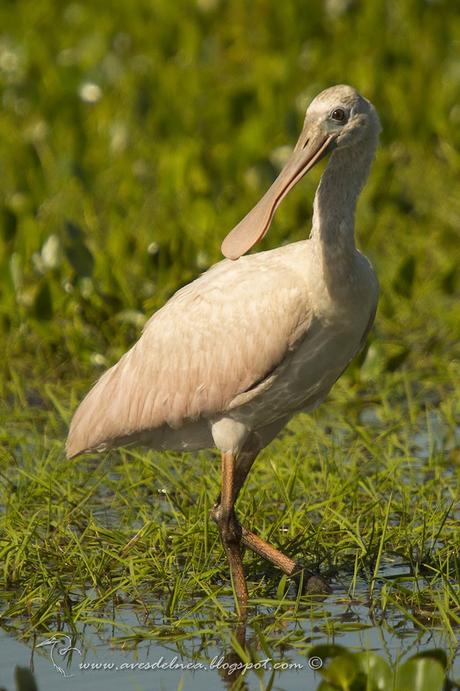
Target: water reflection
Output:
[{"x": 127, "y": 647}]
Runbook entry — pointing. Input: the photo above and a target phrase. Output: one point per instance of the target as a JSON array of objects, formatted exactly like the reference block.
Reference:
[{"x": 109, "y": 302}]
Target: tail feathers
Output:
[{"x": 94, "y": 422}]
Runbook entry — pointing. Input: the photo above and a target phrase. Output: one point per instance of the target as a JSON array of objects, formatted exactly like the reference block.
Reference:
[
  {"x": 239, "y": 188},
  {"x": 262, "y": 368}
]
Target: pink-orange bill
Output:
[{"x": 310, "y": 148}]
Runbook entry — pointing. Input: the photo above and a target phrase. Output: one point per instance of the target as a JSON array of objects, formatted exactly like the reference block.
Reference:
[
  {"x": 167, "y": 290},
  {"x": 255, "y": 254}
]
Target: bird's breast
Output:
[{"x": 311, "y": 367}]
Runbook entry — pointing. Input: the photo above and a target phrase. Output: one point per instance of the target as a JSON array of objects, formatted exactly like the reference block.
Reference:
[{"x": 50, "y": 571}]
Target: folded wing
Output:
[{"x": 214, "y": 339}]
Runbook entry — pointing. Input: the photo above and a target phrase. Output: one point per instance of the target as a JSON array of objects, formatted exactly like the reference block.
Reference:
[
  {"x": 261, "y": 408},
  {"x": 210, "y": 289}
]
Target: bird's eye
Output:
[{"x": 338, "y": 115}]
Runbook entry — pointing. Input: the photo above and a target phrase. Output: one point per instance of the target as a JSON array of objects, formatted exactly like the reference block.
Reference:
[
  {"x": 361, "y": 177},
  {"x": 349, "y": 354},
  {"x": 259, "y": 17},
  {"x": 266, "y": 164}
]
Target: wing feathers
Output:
[{"x": 215, "y": 339}]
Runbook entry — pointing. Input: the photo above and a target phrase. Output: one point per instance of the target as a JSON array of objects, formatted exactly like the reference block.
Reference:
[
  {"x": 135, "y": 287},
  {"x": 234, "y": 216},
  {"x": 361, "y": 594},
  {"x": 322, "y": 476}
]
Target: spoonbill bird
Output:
[{"x": 232, "y": 356}]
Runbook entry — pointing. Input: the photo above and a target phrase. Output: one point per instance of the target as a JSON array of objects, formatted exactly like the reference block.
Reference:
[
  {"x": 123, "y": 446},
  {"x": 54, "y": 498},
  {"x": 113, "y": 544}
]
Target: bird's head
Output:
[
  {"x": 338, "y": 118},
  {"x": 343, "y": 115}
]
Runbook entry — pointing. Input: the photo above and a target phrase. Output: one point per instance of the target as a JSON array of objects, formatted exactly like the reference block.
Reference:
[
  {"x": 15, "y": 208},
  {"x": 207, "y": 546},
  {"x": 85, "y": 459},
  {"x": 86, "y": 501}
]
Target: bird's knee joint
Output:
[
  {"x": 229, "y": 528},
  {"x": 230, "y": 532}
]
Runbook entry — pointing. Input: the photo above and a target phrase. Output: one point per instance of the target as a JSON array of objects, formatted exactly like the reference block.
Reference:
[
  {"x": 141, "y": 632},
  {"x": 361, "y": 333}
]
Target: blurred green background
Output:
[{"x": 135, "y": 134}]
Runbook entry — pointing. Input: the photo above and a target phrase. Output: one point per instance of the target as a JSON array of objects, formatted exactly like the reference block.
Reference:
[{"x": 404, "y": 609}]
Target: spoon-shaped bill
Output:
[{"x": 310, "y": 148}]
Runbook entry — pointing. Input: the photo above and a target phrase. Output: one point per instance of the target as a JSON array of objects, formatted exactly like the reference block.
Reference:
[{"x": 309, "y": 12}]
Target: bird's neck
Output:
[{"x": 333, "y": 227}]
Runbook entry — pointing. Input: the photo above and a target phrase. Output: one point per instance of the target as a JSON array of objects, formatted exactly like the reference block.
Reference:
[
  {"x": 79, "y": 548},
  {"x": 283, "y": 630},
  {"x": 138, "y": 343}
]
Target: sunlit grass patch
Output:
[{"x": 374, "y": 507}]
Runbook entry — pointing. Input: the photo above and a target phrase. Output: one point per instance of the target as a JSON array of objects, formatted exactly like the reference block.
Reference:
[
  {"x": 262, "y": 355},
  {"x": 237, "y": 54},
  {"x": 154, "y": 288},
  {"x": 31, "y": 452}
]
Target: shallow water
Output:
[
  {"x": 118, "y": 649},
  {"x": 104, "y": 660}
]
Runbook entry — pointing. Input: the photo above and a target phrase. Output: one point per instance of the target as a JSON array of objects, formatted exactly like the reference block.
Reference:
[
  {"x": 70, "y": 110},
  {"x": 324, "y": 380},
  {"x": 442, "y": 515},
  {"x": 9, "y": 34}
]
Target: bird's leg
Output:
[
  {"x": 230, "y": 531},
  {"x": 249, "y": 539},
  {"x": 267, "y": 551},
  {"x": 310, "y": 582}
]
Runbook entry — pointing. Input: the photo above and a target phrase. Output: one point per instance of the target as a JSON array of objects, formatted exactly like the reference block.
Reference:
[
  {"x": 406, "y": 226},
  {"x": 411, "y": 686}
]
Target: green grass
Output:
[
  {"x": 374, "y": 507},
  {"x": 107, "y": 207}
]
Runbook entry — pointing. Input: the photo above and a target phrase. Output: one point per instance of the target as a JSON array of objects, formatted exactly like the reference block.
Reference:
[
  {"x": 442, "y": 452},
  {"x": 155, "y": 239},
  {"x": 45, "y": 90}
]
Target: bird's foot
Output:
[
  {"x": 234, "y": 536},
  {"x": 310, "y": 583}
]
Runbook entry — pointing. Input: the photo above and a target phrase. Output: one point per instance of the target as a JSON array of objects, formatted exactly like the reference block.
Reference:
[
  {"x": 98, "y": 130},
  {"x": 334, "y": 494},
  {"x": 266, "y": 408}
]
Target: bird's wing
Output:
[{"x": 216, "y": 338}]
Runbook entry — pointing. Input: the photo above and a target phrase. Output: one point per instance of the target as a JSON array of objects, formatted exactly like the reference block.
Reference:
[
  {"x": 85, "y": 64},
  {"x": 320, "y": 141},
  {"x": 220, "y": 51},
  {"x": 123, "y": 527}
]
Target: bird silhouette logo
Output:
[{"x": 59, "y": 645}]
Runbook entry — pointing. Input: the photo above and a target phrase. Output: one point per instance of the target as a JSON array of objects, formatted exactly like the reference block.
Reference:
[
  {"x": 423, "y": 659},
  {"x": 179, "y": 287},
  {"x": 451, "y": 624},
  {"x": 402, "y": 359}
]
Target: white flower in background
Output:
[
  {"x": 51, "y": 252},
  {"x": 49, "y": 257},
  {"x": 90, "y": 92}
]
